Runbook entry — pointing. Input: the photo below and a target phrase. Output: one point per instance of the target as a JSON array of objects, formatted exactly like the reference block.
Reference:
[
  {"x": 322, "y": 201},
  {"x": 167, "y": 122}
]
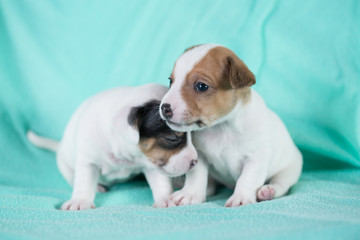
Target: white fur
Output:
[
  {"x": 255, "y": 148},
  {"x": 249, "y": 150},
  {"x": 43, "y": 142},
  {"x": 99, "y": 145}
]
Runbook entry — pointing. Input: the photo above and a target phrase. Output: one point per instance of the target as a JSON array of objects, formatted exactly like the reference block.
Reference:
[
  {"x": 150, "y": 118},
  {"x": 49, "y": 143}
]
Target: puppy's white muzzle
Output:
[{"x": 183, "y": 161}]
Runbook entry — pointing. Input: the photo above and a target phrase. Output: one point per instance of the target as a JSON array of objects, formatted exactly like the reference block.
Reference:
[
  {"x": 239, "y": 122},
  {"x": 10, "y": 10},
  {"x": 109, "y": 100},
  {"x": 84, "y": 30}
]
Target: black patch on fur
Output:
[{"x": 146, "y": 118}]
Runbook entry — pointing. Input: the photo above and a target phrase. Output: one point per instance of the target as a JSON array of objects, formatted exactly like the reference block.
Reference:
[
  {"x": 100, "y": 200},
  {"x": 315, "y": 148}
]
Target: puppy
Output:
[
  {"x": 116, "y": 135},
  {"x": 239, "y": 140}
]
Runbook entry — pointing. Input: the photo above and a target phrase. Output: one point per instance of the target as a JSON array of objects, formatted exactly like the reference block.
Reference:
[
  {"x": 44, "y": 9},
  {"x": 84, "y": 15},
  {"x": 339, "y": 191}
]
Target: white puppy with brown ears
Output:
[
  {"x": 241, "y": 142},
  {"x": 116, "y": 135}
]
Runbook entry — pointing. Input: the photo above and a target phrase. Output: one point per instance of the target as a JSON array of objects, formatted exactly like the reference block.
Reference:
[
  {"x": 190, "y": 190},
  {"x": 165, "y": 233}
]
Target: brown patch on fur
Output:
[
  {"x": 245, "y": 95},
  {"x": 238, "y": 73},
  {"x": 228, "y": 79},
  {"x": 155, "y": 153}
]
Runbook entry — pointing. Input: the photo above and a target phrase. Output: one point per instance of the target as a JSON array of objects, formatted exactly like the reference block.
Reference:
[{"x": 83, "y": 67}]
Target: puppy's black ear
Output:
[
  {"x": 147, "y": 114},
  {"x": 134, "y": 117},
  {"x": 238, "y": 73}
]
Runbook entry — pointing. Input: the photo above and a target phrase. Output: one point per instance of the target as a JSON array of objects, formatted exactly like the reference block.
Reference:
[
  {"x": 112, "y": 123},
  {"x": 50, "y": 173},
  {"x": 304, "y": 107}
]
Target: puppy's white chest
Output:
[{"x": 225, "y": 152}]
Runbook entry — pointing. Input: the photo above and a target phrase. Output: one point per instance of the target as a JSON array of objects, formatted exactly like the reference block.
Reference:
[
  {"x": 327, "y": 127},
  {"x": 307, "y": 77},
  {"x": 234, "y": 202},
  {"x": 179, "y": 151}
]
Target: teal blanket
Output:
[{"x": 306, "y": 58}]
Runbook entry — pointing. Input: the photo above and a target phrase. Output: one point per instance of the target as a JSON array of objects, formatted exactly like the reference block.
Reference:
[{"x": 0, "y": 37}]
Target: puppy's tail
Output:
[{"x": 42, "y": 142}]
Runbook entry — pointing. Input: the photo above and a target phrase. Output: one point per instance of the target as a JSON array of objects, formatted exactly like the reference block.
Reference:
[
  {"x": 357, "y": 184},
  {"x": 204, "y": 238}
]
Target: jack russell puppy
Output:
[
  {"x": 116, "y": 135},
  {"x": 240, "y": 142}
]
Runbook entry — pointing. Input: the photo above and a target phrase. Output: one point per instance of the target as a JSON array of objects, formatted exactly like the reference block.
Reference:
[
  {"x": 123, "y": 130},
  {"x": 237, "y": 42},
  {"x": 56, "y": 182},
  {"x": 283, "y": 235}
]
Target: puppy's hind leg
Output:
[
  {"x": 85, "y": 182},
  {"x": 211, "y": 187},
  {"x": 281, "y": 182}
]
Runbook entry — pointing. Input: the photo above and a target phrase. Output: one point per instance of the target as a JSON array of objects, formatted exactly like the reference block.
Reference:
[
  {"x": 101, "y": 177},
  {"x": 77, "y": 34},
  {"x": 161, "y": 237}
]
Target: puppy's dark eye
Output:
[
  {"x": 201, "y": 87},
  {"x": 171, "y": 141},
  {"x": 172, "y": 138},
  {"x": 170, "y": 81}
]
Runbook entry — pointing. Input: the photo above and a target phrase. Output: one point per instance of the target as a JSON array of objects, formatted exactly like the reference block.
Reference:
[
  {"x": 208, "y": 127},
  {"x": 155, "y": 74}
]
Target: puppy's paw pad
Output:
[
  {"x": 266, "y": 192},
  {"x": 77, "y": 204},
  {"x": 239, "y": 200},
  {"x": 181, "y": 198}
]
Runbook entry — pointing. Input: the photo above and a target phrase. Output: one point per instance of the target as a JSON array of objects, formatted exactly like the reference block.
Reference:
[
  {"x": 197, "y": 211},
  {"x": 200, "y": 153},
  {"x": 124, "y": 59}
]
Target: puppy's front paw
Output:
[
  {"x": 239, "y": 200},
  {"x": 77, "y": 204},
  {"x": 183, "y": 197},
  {"x": 163, "y": 203}
]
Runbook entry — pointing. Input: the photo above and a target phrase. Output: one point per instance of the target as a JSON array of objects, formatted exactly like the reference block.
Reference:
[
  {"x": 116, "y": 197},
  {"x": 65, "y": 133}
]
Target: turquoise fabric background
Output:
[{"x": 306, "y": 58}]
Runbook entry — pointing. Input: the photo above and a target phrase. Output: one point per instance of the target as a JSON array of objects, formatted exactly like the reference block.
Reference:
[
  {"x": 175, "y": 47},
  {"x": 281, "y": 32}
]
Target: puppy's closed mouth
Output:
[{"x": 198, "y": 123}]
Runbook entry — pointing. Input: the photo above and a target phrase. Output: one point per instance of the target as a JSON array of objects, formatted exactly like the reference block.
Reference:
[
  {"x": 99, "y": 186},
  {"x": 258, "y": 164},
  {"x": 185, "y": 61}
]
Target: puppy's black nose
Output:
[
  {"x": 193, "y": 163},
  {"x": 166, "y": 110}
]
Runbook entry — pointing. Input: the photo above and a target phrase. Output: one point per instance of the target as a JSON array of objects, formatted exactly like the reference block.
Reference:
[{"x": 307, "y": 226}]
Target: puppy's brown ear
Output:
[{"x": 238, "y": 73}]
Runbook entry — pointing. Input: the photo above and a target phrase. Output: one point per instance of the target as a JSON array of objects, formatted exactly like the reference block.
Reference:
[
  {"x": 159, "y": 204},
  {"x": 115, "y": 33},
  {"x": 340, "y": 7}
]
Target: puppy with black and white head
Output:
[
  {"x": 241, "y": 142},
  {"x": 116, "y": 135}
]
